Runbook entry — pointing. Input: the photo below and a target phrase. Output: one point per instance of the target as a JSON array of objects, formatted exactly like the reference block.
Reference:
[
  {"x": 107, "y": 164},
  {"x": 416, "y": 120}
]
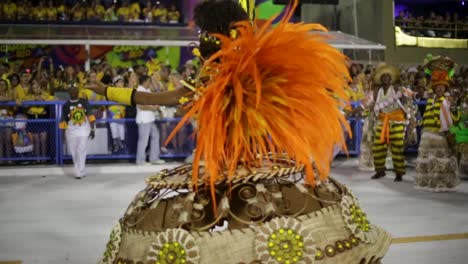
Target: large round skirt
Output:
[
  {"x": 366, "y": 159},
  {"x": 435, "y": 166},
  {"x": 265, "y": 216}
]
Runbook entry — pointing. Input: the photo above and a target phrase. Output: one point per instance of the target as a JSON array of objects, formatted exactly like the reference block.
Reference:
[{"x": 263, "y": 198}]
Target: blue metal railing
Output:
[{"x": 56, "y": 152}]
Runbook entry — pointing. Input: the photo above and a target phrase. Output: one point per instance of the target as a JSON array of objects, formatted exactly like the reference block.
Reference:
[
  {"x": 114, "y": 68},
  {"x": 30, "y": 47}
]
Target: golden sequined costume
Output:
[{"x": 258, "y": 190}]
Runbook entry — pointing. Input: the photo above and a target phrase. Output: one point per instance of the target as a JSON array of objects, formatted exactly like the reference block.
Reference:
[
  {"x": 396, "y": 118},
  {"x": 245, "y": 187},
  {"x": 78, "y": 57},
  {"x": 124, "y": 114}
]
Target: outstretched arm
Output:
[{"x": 133, "y": 97}]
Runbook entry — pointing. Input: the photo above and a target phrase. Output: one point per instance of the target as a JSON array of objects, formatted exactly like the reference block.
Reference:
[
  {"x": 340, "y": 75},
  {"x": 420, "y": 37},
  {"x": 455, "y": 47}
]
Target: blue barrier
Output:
[{"x": 180, "y": 147}]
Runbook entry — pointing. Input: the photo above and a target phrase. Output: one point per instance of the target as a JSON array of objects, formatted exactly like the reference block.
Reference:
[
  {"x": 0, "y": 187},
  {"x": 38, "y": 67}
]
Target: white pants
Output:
[
  {"x": 78, "y": 147},
  {"x": 117, "y": 130}
]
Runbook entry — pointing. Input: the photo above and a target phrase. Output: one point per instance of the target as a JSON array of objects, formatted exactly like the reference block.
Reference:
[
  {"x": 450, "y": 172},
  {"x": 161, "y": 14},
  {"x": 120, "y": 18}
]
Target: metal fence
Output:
[{"x": 26, "y": 138}]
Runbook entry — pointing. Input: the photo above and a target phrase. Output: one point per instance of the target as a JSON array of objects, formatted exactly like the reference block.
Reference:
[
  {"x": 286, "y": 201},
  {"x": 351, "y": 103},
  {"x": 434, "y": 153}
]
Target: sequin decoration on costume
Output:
[
  {"x": 112, "y": 246},
  {"x": 356, "y": 220},
  {"x": 77, "y": 114},
  {"x": 174, "y": 246},
  {"x": 284, "y": 240}
]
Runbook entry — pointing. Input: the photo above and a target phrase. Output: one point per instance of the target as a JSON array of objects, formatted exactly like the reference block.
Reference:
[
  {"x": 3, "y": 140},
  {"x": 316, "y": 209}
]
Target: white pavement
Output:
[{"x": 47, "y": 217}]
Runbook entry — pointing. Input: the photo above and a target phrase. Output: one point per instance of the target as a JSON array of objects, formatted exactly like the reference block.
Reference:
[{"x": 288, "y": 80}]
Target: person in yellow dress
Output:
[
  {"x": 98, "y": 9},
  {"x": 160, "y": 13},
  {"x": 9, "y": 10},
  {"x": 123, "y": 12},
  {"x": 40, "y": 12},
  {"x": 51, "y": 11},
  {"x": 21, "y": 90},
  {"x": 78, "y": 12},
  {"x": 135, "y": 11},
  {"x": 39, "y": 130},
  {"x": 173, "y": 15}
]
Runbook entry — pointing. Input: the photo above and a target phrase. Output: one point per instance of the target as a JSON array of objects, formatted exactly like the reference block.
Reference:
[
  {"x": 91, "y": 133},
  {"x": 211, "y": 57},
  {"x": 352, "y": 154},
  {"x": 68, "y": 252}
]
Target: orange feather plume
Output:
[{"x": 274, "y": 90}]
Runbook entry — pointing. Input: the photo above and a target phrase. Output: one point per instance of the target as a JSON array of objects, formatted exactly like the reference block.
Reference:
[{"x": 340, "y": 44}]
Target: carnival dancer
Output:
[
  {"x": 252, "y": 99},
  {"x": 390, "y": 112},
  {"x": 436, "y": 164}
]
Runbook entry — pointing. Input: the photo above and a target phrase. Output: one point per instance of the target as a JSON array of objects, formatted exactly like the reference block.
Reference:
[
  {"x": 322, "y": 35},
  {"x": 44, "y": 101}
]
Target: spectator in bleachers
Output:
[
  {"x": 5, "y": 92},
  {"x": 40, "y": 12},
  {"x": 96, "y": 11},
  {"x": 70, "y": 75},
  {"x": 79, "y": 123},
  {"x": 14, "y": 81},
  {"x": 148, "y": 12},
  {"x": 3, "y": 71},
  {"x": 147, "y": 128},
  {"x": 123, "y": 12},
  {"x": 173, "y": 15},
  {"x": 110, "y": 15},
  {"x": 21, "y": 90},
  {"x": 139, "y": 69},
  {"x": 117, "y": 128},
  {"x": 51, "y": 11},
  {"x": 24, "y": 11},
  {"x": 78, "y": 11},
  {"x": 160, "y": 13},
  {"x": 59, "y": 83},
  {"x": 62, "y": 12},
  {"x": 38, "y": 92},
  {"x": 134, "y": 12},
  {"x": 132, "y": 79},
  {"x": 9, "y": 10},
  {"x": 6, "y": 113},
  {"x": 89, "y": 94}
]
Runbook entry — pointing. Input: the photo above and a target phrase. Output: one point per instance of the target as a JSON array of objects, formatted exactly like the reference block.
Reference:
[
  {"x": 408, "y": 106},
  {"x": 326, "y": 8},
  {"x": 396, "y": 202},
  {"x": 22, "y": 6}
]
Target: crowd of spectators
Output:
[
  {"x": 449, "y": 25},
  {"x": 53, "y": 11},
  {"x": 412, "y": 77},
  {"x": 43, "y": 82}
]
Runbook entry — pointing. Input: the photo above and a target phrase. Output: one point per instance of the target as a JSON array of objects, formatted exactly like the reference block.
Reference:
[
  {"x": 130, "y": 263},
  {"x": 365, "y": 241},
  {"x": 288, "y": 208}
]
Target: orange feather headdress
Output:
[{"x": 274, "y": 90}]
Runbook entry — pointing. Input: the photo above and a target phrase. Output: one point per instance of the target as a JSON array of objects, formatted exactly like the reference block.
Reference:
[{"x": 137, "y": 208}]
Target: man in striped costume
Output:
[{"x": 390, "y": 124}]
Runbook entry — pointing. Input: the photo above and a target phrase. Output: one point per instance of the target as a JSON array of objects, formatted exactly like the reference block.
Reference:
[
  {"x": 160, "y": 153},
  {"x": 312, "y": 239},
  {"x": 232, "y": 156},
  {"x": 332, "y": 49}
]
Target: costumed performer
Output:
[
  {"x": 436, "y": 164},
  {"x": 391, "y": 119},
  {"x": 252, "y": 172}
]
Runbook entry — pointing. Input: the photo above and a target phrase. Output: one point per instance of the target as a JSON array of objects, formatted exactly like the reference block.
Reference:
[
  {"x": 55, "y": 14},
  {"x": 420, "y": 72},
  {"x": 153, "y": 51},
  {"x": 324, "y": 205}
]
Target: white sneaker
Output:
[{"x": 158, "y": 162}]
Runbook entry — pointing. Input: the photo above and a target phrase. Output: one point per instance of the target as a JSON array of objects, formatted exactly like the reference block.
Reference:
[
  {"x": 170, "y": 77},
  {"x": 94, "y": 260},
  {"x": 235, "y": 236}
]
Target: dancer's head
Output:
[{"x": 216, "y": 17}]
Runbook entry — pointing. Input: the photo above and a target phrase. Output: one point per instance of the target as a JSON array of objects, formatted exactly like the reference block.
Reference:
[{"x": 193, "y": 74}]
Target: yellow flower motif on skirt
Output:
[
  {"x": 284, "y": 240},
  {"x": 112, "y": 246},
  {"x": 174, "y": 246},
  {"x": 356, "y": 220}
]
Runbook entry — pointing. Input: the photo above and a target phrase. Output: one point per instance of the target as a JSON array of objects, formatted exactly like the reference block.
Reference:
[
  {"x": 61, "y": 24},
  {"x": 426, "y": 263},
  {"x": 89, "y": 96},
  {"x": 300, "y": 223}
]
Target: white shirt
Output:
[{"x": 144, "y": 116}]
